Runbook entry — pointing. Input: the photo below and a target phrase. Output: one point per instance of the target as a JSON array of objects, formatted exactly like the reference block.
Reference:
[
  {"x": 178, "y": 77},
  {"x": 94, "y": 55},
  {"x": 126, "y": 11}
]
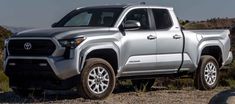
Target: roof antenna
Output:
[{"x": 142, "y": 3}]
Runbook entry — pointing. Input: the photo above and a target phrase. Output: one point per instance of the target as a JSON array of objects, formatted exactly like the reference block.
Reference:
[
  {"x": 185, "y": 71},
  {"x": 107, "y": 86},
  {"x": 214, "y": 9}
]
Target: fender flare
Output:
[
  {"x": 205, "y": 44},
  {"x": 94, "y": 47}
]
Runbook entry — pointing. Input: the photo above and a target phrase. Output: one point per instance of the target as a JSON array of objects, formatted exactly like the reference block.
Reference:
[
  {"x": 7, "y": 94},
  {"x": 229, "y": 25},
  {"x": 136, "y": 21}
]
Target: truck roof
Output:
[{"x": 128, "y": 6}]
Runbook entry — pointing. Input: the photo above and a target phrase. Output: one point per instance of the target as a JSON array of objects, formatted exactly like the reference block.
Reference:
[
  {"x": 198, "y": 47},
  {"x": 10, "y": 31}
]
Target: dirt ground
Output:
[{"x": 156, "y": 96}]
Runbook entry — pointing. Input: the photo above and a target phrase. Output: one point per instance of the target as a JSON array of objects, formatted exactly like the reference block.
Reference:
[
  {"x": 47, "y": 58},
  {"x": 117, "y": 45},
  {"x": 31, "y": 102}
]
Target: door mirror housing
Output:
[
  {"x": 54, "y": 24},
  {"x": 132, "y": 25}
]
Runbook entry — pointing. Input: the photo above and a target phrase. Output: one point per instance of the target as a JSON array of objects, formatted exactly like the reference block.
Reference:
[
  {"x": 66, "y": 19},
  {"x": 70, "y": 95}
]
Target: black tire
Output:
[
  {"x": 205, "y": 80},
  {"x": 90, "y": 66},
  {"x": 143, "y": 84},
  {"x": 26, "y": 92}
]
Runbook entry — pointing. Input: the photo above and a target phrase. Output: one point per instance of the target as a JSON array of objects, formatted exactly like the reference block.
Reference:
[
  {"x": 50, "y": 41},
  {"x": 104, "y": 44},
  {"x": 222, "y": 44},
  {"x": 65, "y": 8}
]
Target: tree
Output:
[{"x": 4, "y": 34}]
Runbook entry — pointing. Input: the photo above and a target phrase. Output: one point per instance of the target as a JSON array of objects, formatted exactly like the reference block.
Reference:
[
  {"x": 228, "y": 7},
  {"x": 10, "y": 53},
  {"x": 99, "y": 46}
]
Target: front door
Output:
[{"x": 139, "y": 46}]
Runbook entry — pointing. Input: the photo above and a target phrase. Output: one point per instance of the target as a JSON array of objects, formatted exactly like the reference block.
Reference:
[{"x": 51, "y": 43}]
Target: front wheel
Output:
[
  {"x": 97, "y": 79},
  {"x": 207, "y": 74}
]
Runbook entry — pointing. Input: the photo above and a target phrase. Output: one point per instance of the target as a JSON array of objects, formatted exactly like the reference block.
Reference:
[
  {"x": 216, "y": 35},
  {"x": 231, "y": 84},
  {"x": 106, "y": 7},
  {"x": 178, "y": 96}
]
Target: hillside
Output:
[
  {"x": 16, "y": 29},
  {"x": 214, "y": 23},
  {"x": 4, "y": 33}
]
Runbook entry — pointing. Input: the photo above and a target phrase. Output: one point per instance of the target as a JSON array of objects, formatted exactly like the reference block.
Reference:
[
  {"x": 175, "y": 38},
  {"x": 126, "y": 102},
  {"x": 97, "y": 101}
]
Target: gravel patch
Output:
[{"x": 156, "y": 96}]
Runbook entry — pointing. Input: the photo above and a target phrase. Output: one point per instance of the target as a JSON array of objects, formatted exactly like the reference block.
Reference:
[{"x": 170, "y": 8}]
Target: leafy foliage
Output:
[
  {"x": 4, "y": 84},
  {"x": 4, "y": 34}
]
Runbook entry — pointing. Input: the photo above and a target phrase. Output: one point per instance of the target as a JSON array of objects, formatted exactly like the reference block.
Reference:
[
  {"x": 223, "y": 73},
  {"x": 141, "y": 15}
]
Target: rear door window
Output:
[{"x": 162, "y": 19}]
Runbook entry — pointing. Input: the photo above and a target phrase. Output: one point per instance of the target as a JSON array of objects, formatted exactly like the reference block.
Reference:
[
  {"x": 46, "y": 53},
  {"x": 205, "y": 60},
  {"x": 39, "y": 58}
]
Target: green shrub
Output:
[
  {"x": 4, "y": 83},
  {"x": 227, "y": 76},
  {"x": 4, "y": 33},
  {"x": 231, "y": 83}
]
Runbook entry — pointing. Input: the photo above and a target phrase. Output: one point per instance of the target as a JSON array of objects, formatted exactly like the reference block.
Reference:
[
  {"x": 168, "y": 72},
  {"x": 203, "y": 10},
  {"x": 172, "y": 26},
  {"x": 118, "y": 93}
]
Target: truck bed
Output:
[{"x": 216, "y": 33}]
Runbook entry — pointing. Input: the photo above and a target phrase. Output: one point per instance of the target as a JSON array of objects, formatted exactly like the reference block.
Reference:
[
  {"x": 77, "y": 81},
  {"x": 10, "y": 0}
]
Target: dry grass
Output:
[{"x": 4, "y": 83}]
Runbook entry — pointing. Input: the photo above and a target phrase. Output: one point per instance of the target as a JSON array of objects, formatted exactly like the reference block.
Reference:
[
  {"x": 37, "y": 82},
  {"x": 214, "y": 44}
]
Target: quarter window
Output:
[{"x": 162, "y": 19}]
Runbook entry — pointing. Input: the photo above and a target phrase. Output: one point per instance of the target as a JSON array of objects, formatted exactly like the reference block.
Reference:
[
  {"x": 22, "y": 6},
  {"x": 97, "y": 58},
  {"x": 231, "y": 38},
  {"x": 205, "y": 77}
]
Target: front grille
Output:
[{"x": 38, "y": 47}]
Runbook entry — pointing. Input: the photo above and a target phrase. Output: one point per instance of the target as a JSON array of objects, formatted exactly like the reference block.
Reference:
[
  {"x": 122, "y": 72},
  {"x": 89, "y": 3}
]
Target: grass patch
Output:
[
  {"x": 143, "y": 88},
  {"x": 4, "y": 82},
  {"x": 227, "y": 76},
  {"x": 181, "y": 83},
  {"x": 231, "y": 83},
  {"x": 175, "y": 83},
  {"x": 123, "y": 86}
]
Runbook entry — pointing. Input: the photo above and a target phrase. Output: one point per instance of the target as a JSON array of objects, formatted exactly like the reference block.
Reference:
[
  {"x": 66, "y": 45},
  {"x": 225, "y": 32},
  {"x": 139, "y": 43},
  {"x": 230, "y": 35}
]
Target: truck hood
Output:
[{"x": 65, "y": 32}]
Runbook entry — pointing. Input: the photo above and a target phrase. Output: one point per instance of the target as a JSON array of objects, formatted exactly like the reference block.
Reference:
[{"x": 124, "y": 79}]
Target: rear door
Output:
[{"x": 169, "y": 40}]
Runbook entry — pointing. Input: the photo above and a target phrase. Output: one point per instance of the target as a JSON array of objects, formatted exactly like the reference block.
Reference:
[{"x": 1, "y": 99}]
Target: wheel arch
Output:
[
  {"x": 213, "y": 48},
  {"x": 108, "y": 52}
]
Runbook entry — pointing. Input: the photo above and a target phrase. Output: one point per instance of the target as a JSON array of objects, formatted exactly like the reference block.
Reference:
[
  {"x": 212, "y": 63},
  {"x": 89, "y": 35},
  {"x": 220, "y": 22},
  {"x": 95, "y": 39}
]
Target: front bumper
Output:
[
  {"x": 229, "y": 59},
  {"x": 38, "y": 71},
  {"x": 62, "y": 68}
]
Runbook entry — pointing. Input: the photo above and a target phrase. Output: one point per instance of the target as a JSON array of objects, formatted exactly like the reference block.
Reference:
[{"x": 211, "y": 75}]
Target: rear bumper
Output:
[{"x": 229, "y": 59}]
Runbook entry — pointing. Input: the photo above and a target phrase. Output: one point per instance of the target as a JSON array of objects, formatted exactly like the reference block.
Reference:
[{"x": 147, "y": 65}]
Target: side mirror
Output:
[
  {"x": 54, "y": 24},
  {"x": 132, "y": 25}
]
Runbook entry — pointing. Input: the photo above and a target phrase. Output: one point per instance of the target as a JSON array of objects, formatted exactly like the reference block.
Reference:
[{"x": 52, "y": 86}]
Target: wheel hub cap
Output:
[
  {"x": 98, "y": 80},
  {"x": 210, "y": 73}
]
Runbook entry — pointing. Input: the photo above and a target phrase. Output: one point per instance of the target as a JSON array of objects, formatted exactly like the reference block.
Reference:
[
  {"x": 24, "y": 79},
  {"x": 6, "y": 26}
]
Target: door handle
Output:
[
  {"x": 151, "y": 37},
  {"x": 177, "y": 37}
]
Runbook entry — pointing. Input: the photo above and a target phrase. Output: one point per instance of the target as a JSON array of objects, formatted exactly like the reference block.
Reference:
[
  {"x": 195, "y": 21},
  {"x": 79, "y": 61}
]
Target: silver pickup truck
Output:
[{"x": 92, "y": 47}]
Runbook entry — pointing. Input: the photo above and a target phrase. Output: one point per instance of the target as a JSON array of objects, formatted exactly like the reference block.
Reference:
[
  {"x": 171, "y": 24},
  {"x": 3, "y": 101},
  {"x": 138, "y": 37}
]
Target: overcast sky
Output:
[{"x": 42, "y": 13}]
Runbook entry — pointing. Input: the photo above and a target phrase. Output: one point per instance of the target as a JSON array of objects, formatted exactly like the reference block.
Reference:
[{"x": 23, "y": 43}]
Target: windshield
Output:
[{"x": 91, "y": 17}]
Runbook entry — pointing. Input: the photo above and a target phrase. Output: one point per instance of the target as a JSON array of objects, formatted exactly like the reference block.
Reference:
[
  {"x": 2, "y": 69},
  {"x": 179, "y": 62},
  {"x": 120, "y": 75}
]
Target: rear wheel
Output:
[
  {"x": 207, "y": 74},
  {"x": 97, "y": 79},
  {"x": 143, "y": 84}
]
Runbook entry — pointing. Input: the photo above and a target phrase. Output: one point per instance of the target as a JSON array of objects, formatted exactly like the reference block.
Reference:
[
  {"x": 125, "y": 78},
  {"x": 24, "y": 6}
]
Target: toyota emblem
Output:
[{"x": 27, "y": 46}]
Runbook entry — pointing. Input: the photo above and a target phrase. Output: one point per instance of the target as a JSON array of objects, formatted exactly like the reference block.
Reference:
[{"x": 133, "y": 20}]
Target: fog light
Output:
[
  {"x": 43, "y": 64},
  {"x": 12, "y": 64}
]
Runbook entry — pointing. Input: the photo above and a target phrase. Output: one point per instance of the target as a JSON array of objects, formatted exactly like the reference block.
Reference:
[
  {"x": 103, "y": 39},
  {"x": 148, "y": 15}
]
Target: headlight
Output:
[{"x": 71, "y": 43}]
